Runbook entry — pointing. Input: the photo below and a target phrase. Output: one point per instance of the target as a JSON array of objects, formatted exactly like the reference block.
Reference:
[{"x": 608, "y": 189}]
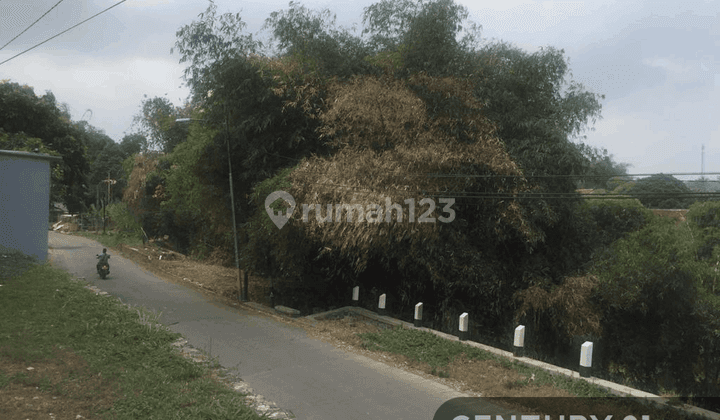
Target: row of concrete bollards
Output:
[{"x": 586, "y": 350}]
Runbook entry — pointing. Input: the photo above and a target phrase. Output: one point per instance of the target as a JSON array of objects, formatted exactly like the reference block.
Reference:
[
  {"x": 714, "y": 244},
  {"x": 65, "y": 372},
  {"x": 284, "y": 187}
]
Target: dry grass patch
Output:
[
  {"x": 59, "y": 387},
  {"x": 472, "y": 376}
]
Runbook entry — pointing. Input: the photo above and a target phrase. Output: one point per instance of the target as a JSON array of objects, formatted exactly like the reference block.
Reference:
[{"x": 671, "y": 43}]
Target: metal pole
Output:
[
  {"x": 243, "y": 296},
  {"x": 108, "y": 184}
]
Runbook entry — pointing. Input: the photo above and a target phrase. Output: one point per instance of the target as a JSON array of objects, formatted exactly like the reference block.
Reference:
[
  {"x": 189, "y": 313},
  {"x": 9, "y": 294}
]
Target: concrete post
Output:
[
  {"x": 586, "y": 359},
  {"x": 519, "y": 341},
  {"x": 418, "y": 315},
  {"x": 356, "y": 295},
  {"x": 463, "y": 327}
]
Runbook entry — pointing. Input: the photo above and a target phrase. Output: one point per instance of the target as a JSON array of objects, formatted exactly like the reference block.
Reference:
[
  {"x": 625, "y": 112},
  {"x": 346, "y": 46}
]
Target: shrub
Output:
[
  {"x": 614, "y": 218},
  {"x": 122, "y": 218},
  {"x": 648, "y": 293},
  {"x": 662, "y": 191},
  {"x": 620, "y": 185},
  {"x": 703, "y": 224}
]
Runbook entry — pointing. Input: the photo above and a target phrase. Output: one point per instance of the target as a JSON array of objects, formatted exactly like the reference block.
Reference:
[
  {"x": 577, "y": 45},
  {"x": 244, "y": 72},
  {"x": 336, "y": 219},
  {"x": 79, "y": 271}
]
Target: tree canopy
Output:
[
  {"x": 24, "y": 115},
  {"x": 661, "y": 191},
  {"x": 414, "y": 109}
]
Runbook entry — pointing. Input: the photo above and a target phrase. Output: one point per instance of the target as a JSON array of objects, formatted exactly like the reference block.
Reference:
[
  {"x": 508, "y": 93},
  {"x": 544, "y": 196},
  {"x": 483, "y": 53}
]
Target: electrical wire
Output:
[
  {"x": 535, "y": 176},
  {"x": 66, "y": 30},
  {"x": 520, "y": 195},
  {"x": 33, "y": 24},
  {"x": 565, "y": 176}
]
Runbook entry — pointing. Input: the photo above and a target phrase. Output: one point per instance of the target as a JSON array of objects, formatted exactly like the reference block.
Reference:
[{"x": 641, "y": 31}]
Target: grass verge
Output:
[
  {"x": 483, "y": 372},
  {"x": 111, "y": 239},
  {"x": 526, "y": 388},
  {"x": 66, "y": 351}
]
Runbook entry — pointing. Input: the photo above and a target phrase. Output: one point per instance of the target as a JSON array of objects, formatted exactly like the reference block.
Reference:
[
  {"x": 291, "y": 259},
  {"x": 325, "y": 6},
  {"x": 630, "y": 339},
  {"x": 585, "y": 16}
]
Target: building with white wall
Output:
[{"x": 25, "y": 201}]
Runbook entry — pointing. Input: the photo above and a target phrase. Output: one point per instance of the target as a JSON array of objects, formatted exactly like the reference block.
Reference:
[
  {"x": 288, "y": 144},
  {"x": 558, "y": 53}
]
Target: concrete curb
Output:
[{"x": 616, "y": 389}]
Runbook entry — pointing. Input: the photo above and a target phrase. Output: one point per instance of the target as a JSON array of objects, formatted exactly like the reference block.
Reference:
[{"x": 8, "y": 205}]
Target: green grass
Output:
[
  {"x": 47, "y": 314},
  {"x": 112, "y": 239},
  {"x": 437, "y": 352}
]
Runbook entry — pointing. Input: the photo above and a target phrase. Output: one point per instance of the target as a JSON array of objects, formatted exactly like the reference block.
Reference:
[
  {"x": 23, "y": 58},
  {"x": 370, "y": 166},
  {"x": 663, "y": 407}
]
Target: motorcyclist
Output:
[{"x": 103, "y": 259}]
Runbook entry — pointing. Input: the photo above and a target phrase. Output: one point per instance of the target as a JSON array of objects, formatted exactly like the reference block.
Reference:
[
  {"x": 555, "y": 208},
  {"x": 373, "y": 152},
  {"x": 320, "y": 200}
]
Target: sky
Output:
[{"x": 653, "y": 60}]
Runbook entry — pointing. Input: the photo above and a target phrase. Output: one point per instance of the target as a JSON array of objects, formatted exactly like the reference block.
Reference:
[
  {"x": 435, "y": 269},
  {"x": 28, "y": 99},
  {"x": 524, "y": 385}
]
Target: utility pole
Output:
[
  {"x": 243, "y": 291},
  {"x": 702, "y": 162},
  {"x": 107, "y": 201}
]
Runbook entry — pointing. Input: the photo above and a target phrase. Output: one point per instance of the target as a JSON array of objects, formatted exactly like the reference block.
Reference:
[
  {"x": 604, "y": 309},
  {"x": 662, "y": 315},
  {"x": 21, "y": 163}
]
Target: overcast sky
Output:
[{"x": 654, "y": 61}]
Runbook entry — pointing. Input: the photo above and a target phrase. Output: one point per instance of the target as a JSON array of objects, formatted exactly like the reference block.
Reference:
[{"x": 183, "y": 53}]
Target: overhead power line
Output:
[
  {"x": 33, "y": 24},
  {"x": 562, "y": 176},
  {"x": 520, "y": 195},
  {"x": 55, "y": 36},
  {"x": 431, "y": 175}
]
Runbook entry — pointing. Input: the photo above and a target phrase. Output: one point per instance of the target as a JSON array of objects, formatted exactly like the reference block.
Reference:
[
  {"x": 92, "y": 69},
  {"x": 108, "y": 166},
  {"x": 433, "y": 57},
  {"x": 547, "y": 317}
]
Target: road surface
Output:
[{"x": 311, "y": 378}]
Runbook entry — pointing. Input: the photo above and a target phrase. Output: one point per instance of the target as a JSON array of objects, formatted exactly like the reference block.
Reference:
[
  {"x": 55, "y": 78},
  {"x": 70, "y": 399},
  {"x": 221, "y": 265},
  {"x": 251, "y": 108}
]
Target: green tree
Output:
[
  {"x": 363, "y": 129},
  {"x": 539, "y": 111},
  {"x": 22, "y": 142},
  {"x": 600, "y": 167},
  {"x": 133, "y": 144},
  {"x": 537, "y": 108},
  {"x": 648, "y": 292},
  {"x": 431, "y": 39},
  {"x": 156, "y": 122},
  {"x": 390, "y": 24},
  {"x": 204, "y": 42},
  {"x": 311, "y": 39},
  {"x": 662, "y": 191},
  {"x": 21, "y": 111},
  {"x": 199, "y": 206}
]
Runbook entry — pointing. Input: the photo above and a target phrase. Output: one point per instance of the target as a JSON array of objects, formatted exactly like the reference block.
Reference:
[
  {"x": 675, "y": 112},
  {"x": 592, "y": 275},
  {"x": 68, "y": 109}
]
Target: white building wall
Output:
[{"x": 25, "y": 202}]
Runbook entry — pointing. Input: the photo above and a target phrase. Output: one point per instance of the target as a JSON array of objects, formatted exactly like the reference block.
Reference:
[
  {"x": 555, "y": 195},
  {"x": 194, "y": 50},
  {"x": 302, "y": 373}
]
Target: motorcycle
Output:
[
  {"x": 103, "y": 268},
  {"x": 104, "y": 271}
]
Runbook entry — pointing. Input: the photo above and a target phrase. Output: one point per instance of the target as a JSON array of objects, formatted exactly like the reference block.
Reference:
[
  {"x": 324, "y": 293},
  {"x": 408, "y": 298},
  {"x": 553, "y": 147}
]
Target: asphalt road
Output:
[{"x": 311, "y": 378}]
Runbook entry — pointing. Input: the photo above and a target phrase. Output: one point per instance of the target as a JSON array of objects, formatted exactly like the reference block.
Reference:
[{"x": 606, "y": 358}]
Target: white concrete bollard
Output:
[
  {"x": 381, "y": 305},
  {"x": 356, "y": 295},
  {"x": 463, "y": 327},
  {"x": 519, "y": 341},
  {"x": 418, "y": 315},
  {"x": 586, "y": 359}
]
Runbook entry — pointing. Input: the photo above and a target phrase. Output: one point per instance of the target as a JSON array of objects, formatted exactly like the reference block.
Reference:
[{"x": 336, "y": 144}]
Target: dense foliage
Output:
[
  {"x": 337, "y": 118},
  {"x": 662, "y": 191},
  {"x": 653, "y": 293},
  {"x": 600, "y": 169},
  {"x": 23, "y": 115},
  {"x": 612, "y": 219},
  {"x": 29, "y": 122},
  {"x": 413, "y": 110}
]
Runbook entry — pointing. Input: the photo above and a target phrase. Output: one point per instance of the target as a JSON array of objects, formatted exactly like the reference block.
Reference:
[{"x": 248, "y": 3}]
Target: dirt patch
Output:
[
  {"x": 62, "y": 387},
  {"x": 178, "y": 268},
  {"x": 678, "y": 215}
]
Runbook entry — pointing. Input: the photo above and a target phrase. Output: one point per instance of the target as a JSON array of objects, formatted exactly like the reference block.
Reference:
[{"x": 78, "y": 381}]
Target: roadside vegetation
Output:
[
  {"x": 508, "y": 381},
  {"x": 66, "y": 351},
  {"x": 416, "y": 108}
]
